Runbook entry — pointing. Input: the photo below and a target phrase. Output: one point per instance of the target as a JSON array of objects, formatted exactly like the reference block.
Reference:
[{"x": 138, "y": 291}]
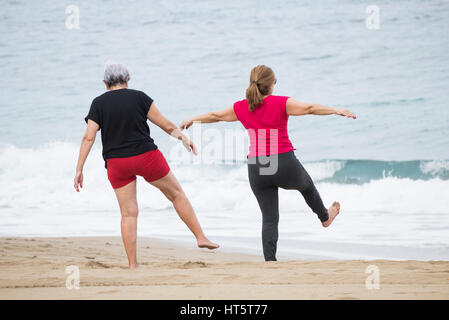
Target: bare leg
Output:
[
  {"x": 333, "y": 211},
  {"x": 127, "y": 200},
  {"x": 171, "y": 188}
]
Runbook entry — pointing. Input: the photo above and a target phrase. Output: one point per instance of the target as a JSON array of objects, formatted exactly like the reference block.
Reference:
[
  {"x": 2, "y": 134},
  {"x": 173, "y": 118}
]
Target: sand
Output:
[{"x": 35, "y": 268}]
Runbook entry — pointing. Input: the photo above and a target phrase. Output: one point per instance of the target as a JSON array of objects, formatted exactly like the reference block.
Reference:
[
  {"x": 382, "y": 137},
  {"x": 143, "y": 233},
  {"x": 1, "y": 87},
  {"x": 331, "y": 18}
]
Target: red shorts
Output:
[{"x": 151, "y": 165}]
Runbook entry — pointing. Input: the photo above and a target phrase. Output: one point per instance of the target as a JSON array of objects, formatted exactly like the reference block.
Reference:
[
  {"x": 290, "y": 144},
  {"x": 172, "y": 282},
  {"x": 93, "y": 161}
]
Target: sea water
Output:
[{"x": 389, "y": 168}]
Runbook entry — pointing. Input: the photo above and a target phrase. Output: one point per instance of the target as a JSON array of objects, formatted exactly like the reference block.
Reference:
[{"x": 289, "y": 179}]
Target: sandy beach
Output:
[{"x": 35, "y": 268}]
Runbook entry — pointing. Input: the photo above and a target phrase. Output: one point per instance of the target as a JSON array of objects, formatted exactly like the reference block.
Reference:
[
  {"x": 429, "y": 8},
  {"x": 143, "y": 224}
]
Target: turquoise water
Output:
[{"x": 192, "y": 57}]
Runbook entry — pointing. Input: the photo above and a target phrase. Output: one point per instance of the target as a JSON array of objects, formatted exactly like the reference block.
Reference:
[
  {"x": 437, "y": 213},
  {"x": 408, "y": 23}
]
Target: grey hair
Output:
[{"x": 115, "y": 73}]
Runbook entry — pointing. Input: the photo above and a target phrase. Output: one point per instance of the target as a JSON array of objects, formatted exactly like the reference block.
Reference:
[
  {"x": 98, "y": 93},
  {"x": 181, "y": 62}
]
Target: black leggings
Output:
[{"x": 289, "y": 174}]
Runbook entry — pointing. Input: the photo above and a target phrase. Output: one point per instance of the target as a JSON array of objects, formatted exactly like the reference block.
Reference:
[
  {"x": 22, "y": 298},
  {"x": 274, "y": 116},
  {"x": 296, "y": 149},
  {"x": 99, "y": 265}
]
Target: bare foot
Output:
[
  {"x": 134, "y": 266},
  {"x": 205, "y": 243},
  {"x": 333, "y": 211}
]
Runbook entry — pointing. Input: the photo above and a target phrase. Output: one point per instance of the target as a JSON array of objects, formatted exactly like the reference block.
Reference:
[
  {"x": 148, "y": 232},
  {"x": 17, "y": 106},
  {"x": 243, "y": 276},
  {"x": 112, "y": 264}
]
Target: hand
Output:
[
  {"x": 190, "y": 146},
  {"x": 78, "y": 181},
  {"x": 185, "y": 124},
  {"x": 346, "y": 113}
]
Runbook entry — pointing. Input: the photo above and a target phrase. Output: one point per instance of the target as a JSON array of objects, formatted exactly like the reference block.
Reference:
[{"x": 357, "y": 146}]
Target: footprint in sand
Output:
[
  {"x": 194, "y": 264},
  {"x": 97, "y": 265}
]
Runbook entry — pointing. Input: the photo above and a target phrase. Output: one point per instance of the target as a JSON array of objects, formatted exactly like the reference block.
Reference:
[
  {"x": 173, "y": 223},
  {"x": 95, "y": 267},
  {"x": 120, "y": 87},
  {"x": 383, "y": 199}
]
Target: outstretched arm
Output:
[
  {"x": 298, "y": 108},
  {"x": 210, "y": 117},
  {"x": 156, "y": 117},
  {"x": 86, "y": 145}
]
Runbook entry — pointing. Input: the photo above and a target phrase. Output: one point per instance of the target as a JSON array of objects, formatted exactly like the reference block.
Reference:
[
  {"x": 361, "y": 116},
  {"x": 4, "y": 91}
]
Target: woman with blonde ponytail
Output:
[{"x": 272, "y": 163}]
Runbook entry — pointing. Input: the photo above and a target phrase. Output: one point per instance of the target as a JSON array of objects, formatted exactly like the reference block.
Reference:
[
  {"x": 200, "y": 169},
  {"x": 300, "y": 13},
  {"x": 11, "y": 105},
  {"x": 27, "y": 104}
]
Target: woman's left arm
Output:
[
  {"x": 299, "y": 108},
  {"x": 156, "y": 117},
  {"x": 86, "y": 145}
]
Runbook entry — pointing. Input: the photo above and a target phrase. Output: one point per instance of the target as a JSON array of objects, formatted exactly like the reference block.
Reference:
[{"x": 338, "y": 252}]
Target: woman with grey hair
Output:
[{"x": 128, "y": 150}]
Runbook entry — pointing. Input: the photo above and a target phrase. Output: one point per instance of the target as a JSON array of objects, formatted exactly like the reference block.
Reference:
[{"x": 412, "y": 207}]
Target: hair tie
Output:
[{"x": 254, "y": 81}]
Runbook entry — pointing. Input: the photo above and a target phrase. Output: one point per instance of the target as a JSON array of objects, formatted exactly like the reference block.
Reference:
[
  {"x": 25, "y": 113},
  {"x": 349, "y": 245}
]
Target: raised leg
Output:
[
  {"x": 292, "y": 175},
  {"x": 171, "y": 188},
  {"x": 313, "y": 200},
  {"x": 127, "y": 200}
]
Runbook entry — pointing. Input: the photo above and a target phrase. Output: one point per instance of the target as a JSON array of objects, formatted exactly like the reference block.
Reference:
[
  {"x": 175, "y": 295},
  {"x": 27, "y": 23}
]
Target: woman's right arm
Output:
[
  {"x": 298, "y": 108},
  {"x": 86, "y": 145},
  {"x": 227, "y": 114}
]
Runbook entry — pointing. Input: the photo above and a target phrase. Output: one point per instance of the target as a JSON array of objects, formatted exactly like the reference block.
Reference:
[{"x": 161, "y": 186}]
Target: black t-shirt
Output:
[{"x": 122, "y": 117}]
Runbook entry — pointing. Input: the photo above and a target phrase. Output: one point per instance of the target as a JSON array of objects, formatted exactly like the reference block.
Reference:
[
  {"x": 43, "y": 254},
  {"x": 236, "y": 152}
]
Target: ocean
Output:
[{"x": 389, "y": 168}]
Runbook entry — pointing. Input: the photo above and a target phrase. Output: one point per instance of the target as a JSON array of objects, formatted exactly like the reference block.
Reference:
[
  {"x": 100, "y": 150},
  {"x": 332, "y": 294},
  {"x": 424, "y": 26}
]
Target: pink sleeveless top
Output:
[{"x": 266, "y": 125}]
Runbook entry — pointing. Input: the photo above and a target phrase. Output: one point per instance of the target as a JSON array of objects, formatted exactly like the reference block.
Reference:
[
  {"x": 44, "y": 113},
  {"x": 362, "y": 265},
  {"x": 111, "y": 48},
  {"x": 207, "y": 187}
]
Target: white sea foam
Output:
[
  {"x": 434, "y": 167},
  {"x": 323, "y": 169},
  {"x": 37, "y": 198}
]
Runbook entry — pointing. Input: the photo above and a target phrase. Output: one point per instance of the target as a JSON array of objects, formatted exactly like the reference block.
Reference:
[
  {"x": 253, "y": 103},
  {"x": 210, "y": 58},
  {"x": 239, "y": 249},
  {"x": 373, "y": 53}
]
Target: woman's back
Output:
[
  {"x": 122, "y": 117},
  {"x": 266, "y": 125}
]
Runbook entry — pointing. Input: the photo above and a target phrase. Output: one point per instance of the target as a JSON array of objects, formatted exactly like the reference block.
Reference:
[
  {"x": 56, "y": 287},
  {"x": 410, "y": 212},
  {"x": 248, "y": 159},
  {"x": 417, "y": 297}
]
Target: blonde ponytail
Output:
[{"x": 260, "y": 81}]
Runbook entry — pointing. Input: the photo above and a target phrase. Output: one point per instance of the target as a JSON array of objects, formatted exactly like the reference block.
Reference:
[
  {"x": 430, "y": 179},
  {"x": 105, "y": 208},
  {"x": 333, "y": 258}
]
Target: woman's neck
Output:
[
  {"x": 118, "y": 87},
  {"x": 269, "y": 94}
]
